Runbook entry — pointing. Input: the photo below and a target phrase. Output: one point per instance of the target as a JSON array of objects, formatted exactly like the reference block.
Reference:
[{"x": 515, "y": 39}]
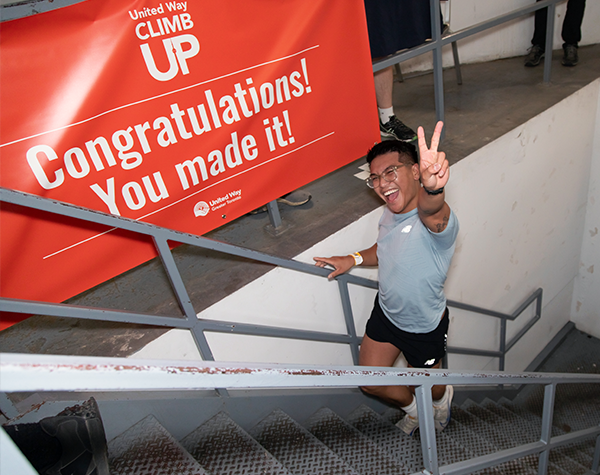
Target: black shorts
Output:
[
  {"x": 421, "y": 350},
  {"x": 394, "y": 25}
]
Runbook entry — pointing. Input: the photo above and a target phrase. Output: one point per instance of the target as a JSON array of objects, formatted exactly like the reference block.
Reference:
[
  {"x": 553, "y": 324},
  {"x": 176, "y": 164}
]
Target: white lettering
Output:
[
  {"x": 81, "y": 160},
  {"x": 108, "y": 196},
  {"x": 38, "y": 170},
  {"x": 133, "y": 195}
]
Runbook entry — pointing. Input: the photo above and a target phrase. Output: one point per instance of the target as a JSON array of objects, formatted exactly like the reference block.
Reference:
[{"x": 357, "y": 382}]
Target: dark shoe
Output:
[
  {"x": 534, "y": 56},
  {"x": 295, "y": 198},
  {"x": 570, "y": 56},
  {"x": 262, "y": 209},
  {"x": 72, "y": 442},
  {"x": 394, "y": 129}
]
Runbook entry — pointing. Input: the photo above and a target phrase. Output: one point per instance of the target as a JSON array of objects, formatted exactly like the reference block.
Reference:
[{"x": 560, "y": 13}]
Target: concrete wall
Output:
[
  {"x": 504, "y": 41},
  {"x": 585, "y": 311},
  {"x": 526, "y": 222}
]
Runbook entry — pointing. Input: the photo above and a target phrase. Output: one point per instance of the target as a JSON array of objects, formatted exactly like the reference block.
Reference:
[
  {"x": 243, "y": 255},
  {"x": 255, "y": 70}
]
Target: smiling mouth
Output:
[{"x": 390, "y": 195}]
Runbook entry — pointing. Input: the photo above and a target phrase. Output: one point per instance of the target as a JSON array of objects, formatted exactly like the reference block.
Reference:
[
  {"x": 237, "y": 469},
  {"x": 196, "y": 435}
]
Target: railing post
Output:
[
  {"x": 348, "y": 317},
  {"x": 547, "y": 416},
  {"x": 502, "y": 344},
  {"x": 427, "y": 428},
  {"x": 551, "y": 9},
  {"x": 276, "y": 226},
  {"x": 438, "y": 72},
  {"x": 182, "y": 295},
  {"x": 596, "y": 461}
]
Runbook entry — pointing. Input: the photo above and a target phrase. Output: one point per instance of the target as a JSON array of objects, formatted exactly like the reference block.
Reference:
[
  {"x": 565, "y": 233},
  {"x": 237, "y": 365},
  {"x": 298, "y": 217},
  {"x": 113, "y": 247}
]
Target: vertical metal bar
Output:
[
  {"x": 502, "y": 344},
  {"x": 427, "y": 428},
  {"x": 538, "y": 303},
  {"x": 274, "y": 215},
  {"x": 175, "y": 277},
  {"x": 182, "y": 295},
  {"x": 547, "y": 416},
  {"x": 202, "y": 343},
  {"x": 457, "y": 69},
  {"x": 438, "y": 73},
  {"x": 549, "y": 42},
  {"x": 348, "y": 317},
  {"x": 596, "y": 461}
]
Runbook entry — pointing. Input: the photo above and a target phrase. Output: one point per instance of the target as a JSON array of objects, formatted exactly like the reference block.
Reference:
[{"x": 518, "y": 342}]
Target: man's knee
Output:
[{"x": 372, "y": 390}]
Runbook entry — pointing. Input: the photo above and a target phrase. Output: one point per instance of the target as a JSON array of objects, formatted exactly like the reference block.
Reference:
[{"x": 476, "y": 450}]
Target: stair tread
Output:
[
  {"x": 148, "y": 448},
  {"x": 296, "y": 448},
  {"x": 222, "y": 447},
  {"x": 353, "y": 447},
  {"x": 507, "y": 436},
  {"x": 581, "y": 452},
  {"x": 557, "y": 458},
  {"x": 576, "y": 406},
  {"x": 472, "y": 431},
  {"x": 401, "y": 446}
]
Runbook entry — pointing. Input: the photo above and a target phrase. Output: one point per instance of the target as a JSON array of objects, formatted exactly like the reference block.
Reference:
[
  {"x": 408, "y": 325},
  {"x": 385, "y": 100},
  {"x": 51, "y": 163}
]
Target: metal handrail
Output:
[
  {"x": 33, "y": 373},
  {"x": 437, "y": 42},
  {"x": 197, "y": 326}
]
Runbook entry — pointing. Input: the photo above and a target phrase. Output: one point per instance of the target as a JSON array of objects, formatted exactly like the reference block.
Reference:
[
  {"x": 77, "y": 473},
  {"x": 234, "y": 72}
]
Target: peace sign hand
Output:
[{"x": 433, "y": 164}]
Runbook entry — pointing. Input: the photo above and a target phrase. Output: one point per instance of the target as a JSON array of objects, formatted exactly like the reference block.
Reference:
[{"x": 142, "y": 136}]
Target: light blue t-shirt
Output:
[{"x": 413, "y": 263}]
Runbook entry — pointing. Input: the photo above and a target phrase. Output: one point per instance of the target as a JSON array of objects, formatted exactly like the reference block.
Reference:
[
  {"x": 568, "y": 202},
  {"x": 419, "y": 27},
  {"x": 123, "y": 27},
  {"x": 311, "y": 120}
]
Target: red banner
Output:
[{"x": 183, "y": 114}]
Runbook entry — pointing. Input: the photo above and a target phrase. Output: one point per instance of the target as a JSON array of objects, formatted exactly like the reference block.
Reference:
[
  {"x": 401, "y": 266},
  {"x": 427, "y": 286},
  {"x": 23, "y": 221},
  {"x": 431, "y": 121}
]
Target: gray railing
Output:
[
  {"x": 438, "y": 42},
  {"x": 35, "y": 373},
  {"x": 197, "y": 326}
]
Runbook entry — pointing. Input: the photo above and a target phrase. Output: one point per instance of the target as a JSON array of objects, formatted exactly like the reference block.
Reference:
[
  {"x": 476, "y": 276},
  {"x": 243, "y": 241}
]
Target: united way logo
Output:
[{"x": 201, "y": 209}]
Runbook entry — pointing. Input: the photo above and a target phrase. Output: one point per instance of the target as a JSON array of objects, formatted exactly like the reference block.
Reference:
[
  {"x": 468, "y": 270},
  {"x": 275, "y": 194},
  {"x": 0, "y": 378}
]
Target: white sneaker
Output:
[
  {"x": 408, "y": 424},
  {"x": 441, "y": 414}
]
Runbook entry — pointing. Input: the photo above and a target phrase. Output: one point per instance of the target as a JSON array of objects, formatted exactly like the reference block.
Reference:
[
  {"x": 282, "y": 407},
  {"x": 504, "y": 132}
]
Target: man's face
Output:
[{"x": 400, "y": 194}]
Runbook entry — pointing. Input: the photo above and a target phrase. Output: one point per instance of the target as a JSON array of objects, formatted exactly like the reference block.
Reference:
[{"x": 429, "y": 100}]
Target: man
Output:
[
  {"x": 393, "y": 26},
  {"x": 571, "y": 35},
  {"x": 417, "y": 233}
]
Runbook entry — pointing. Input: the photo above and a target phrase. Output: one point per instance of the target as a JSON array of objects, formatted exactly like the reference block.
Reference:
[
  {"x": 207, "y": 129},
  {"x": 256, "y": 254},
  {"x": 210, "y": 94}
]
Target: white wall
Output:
[
  {"x": 504, "y": 41},
  {"x": 586, "y": 302},
  {"x": 521, "y": 202}
]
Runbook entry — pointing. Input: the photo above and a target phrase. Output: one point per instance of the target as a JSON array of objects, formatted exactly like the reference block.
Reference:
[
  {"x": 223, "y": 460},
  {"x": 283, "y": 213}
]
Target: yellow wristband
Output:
[{"x": 358, "y": 259}]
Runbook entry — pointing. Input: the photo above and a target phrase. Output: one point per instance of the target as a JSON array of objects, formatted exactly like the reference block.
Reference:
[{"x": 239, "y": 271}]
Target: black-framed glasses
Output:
[{"x": 389, "y": 174}]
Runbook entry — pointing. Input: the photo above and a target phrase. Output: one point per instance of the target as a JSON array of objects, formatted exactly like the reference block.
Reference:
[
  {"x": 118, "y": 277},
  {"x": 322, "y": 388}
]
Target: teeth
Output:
[{"x": 389, "y": 192}]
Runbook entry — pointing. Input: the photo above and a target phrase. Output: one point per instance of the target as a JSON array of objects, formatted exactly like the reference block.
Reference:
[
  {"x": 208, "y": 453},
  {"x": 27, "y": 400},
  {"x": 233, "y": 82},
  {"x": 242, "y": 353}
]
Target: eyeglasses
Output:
[{"x": 388, "y": 175}]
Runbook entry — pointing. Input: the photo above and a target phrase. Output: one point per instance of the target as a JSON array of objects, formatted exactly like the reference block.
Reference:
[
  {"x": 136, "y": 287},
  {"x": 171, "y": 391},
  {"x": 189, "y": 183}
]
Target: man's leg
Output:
[
  {"x": 375, "y": 353},
  {"x": 539, "y": 30},
  {"x": 384, "y": 86},
  {"x": 571, "y": 29},
  {"x": 389, "y": 125},
  {"x": 571, "y": 32},
  {"x": 437, "y": 392}
]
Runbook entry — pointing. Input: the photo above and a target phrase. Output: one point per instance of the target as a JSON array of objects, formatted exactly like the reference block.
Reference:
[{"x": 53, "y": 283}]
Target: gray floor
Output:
[
  {"x": 495, "y": 98},
  {"x": 578, "y": 353}
]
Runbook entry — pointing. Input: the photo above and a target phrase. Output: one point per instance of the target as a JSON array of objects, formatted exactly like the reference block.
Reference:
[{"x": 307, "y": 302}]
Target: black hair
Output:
[{"x": 407, "y": 152}]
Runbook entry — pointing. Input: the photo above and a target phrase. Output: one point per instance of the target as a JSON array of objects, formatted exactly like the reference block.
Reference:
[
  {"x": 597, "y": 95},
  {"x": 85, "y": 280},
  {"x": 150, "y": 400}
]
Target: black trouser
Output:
[{"x": 571, "y": 28}]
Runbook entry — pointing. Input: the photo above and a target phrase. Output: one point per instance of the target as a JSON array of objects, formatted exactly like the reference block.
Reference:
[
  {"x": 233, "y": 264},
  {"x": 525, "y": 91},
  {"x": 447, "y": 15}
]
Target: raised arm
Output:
[
  {"x": 343, "y": 264},
  {"x": 432, "y": 207}
]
